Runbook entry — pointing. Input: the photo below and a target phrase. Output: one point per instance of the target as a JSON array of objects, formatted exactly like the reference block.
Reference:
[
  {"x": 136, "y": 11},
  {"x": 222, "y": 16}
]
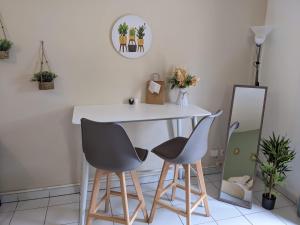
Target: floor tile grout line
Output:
[
  {"x": 47, "y": 210},
  {"x": 13, "y": 214}
]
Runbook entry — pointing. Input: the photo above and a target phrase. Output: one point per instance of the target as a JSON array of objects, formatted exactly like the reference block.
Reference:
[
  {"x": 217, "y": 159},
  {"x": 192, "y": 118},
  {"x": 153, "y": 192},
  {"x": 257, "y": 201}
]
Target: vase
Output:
[
  {"x": 182, "y": 98},
  {"x": 268, "y": 203}
]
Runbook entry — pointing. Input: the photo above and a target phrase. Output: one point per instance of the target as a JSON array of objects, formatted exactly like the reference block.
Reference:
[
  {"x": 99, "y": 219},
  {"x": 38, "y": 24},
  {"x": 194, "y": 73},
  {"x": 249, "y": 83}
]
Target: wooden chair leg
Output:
[
  {"x": 187, "y": 179},
  {"x": 108, "y": 183},
  {"x": 95, "y": 192},
  {"x": 176, "y": 168},
  {"x": 159, "y": 190},
  {"x": 139, "y": 192},
  {"x": 124, "y": 197},
  {"x": 202, "y": 186}
]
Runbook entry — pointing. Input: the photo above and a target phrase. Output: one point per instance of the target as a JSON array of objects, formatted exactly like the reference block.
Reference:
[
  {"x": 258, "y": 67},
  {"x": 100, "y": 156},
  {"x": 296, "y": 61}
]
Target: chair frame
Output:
[
  {"x": 161, "y": 190},
  {"x": 94, "y": 206}
]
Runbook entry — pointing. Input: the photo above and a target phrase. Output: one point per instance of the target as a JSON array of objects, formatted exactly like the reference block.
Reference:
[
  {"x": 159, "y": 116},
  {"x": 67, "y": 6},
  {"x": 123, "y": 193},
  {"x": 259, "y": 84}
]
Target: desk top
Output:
[{"x": 134, "y": 113}]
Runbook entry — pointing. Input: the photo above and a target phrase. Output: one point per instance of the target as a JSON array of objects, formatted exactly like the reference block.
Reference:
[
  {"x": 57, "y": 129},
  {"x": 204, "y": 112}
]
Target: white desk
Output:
[{"x": 128, "y": 113}]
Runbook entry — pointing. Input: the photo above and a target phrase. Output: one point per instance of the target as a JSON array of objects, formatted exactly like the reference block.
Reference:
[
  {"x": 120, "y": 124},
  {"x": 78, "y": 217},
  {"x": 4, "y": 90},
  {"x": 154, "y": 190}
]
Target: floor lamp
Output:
[{"x": 261, "y": 33}]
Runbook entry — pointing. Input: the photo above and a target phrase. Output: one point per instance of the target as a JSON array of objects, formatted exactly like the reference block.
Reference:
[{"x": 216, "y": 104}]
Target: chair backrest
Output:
[
  {"x": 232, "y": 128},
  {"x": 196, "y": 146},
  {"x": 106, "y": 146}
]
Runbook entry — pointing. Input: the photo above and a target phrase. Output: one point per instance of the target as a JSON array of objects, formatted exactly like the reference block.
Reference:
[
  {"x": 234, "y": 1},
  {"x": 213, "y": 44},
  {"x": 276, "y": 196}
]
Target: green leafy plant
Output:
[
  {"x": 132, "y": 31},
  {"x": 123, "y": 29},
  {"x": 277, "y": 155},
  {"x": 5, "y": 44},
  {"x": 44, "y": 76},
  {"x": 141, "y": 31}
]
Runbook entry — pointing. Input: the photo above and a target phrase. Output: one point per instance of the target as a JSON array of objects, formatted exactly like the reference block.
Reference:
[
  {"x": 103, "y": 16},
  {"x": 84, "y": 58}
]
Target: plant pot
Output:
[
  {"x": 46, "y": 85},
  {"x": 132, "y": 48},
  {"x": 123, "y": 40},
  {"x": 4, "y": 54},
  {"x": 140, "y": 42},
  {"x": 268, "y": 203},
  {"x": 131, "y": 38}
]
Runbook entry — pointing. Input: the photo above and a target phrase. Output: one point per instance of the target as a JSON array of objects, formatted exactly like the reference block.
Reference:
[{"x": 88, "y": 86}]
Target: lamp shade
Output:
[{"x": 261, "y": 33}]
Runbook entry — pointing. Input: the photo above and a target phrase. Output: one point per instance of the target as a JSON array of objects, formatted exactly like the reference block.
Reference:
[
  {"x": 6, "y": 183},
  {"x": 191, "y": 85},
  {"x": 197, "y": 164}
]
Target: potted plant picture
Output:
[
  {"x": 140, "y": 35},
  {"x": 277, "y": 154},
  {"x": 123, "y": 30},
  {"x": 45, "y": 77},
  {"x": 132, "y": 44},
  {"x": 5, "y": 44}
]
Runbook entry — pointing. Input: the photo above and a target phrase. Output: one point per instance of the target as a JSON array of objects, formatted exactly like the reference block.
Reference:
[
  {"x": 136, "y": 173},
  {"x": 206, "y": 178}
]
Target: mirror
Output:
[{"x": 243, "y": 137}]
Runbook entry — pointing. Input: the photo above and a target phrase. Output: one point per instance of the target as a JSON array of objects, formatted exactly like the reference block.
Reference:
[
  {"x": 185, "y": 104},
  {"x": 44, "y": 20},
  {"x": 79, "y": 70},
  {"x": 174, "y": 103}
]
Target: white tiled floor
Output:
[{"x": 64, "y": 210}]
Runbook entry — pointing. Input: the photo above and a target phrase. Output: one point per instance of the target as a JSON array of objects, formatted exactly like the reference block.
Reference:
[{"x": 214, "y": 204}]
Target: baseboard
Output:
[{"x": 144, "y": 177}]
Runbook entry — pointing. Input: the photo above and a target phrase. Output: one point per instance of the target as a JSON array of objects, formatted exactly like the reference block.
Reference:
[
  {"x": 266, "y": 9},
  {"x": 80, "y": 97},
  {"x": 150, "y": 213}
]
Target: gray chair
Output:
[
  {"x": 186, "y": 152},
  {"x": 108, "y": 148}
]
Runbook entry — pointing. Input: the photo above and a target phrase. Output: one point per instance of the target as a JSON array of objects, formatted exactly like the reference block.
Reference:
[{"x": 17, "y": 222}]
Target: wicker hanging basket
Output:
[
  {"x": 4, "y": 54},
  {"x": 43, "y": 76}
]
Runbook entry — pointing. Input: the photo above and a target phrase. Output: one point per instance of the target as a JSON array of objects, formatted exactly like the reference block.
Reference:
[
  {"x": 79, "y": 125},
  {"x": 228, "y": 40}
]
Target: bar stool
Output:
[
  {"x": 185, "y": 151},
  {"x": 108, "y": 148}
]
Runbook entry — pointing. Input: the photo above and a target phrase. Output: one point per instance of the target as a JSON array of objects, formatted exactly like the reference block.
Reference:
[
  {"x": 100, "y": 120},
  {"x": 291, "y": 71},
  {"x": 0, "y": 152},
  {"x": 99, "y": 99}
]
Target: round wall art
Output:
[{"x": 131, "y": 36}]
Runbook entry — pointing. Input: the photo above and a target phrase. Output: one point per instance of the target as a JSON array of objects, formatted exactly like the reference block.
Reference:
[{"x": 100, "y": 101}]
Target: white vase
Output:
[{"x": 182, "y": 98}]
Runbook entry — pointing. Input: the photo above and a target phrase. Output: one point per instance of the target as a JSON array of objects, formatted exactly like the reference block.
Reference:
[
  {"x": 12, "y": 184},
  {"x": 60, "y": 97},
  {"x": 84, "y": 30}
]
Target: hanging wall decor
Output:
[
  {"x": 5, "y": 44},
  {"x": 45, "y": 77},
  {"x": 131, "y": 36}
]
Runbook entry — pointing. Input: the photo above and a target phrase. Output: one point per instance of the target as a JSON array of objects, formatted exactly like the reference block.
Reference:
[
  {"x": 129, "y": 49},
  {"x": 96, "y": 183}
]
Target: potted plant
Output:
[
  {"x": 5, "y": 45},
  {"x": 45, "y": 79},
  {"x": 277, "y": 154},
  {"x": 140, "y": 35},
  {"x": 132, "y": 44},
  {"x": 182, "y": 80},
  {"x": 123, "y": 30}
]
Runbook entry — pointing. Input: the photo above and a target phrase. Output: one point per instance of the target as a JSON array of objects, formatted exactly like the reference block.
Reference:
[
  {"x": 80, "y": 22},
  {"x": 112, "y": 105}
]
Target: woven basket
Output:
[
  {"x": 4, "y": 54},
  {"x": 46, "y": 85}
]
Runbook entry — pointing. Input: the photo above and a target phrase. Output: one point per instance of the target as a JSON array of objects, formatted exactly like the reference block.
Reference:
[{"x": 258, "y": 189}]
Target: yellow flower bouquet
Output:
[{"x": 182, "y": 79}]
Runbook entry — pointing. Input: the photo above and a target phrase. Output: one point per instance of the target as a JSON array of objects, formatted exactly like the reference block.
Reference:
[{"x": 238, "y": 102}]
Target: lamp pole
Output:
[{"x": 257, "y": 63}]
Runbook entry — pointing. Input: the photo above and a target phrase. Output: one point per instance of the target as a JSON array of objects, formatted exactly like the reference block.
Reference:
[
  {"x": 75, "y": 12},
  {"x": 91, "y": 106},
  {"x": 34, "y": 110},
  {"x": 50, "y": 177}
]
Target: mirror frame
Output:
[{"x": 227, "y": 133}]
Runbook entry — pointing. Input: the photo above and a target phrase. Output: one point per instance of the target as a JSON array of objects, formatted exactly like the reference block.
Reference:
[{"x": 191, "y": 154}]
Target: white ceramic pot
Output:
[{"x": 182, "y": 98}]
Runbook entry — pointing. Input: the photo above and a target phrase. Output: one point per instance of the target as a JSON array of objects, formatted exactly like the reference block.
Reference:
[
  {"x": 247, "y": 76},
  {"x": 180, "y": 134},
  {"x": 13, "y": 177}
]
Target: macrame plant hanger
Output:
[
  {"x": 3, "y": 29},
  {"x": 43, "y": 60}
]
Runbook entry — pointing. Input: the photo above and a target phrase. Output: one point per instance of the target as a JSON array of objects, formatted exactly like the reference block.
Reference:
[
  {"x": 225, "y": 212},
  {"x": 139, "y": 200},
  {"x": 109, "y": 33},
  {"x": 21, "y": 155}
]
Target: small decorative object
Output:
[
  {"x": 131, "y": 101},
  {"x": 182, "y": 80},
  {"x": 155, "y": 93},
  {"x": 277, "y": 154},
  {"x": 44, "y": 77},
  {"x": 131, "y": 36},
  {"x": 5, "y": 44}
]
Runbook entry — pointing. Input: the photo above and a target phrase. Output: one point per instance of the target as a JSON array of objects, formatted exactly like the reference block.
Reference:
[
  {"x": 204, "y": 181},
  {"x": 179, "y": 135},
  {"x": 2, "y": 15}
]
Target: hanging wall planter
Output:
[
  {"x": 45, "y": 77},
  {"x": 5, "y": 44}
]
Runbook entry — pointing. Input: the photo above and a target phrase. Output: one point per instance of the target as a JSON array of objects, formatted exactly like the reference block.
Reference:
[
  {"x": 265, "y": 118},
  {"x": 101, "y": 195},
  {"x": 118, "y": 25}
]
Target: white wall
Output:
[
  {"x": 281, "y": 73},
  {"x": 38, "y": 145}
]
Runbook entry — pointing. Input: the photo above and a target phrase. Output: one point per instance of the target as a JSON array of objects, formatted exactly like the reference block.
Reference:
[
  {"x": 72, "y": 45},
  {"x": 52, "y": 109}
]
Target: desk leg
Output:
[
  {"x": 83, "y": 189},
  {"x": 179, "y": 133}
]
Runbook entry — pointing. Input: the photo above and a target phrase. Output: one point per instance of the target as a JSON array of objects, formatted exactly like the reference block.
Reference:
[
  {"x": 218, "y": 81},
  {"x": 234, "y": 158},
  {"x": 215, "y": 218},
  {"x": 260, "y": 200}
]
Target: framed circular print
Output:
[{"x": 131, "y": 36}]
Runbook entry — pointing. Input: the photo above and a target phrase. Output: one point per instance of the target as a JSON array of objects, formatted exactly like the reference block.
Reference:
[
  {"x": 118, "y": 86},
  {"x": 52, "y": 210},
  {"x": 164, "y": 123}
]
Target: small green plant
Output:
[
  {"x": 123, "y": 29},
  {"x": 44, "y": 76},
  {"x": 5, "y": 44},
  {"x": 132, "y": 31},
  {"x": 277, "y": 155},
  {"x": 141, "y": 31}
]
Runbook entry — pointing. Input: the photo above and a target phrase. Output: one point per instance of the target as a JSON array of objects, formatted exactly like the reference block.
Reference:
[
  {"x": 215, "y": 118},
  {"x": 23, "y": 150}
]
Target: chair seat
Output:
[
  {"x": 142, "y": 153},
  {"x": 170, "y": 149}
]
